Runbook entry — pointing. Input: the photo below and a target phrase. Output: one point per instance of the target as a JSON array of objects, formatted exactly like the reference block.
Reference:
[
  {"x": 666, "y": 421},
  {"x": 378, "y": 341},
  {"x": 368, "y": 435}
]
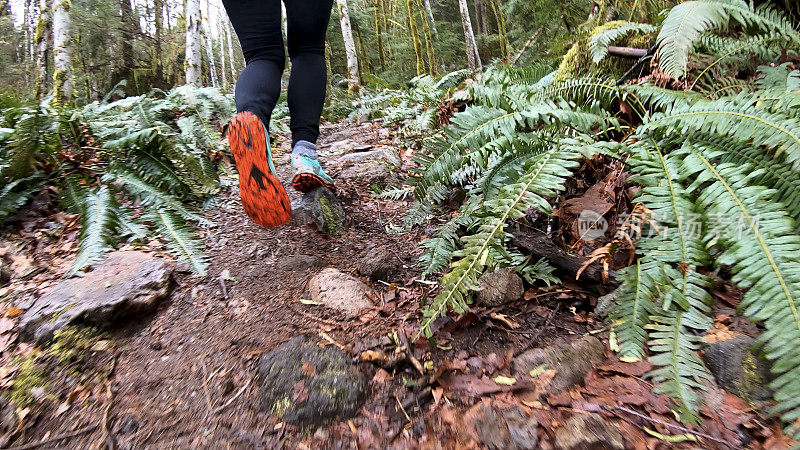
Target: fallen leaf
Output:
[
  {"x": 506, "y": 381},
  {"x": 309, "y": 370},
  {"x": 14, "y": 311},
  {"x": 300, "y": 393},
  {"x": 371, "y": 356}
]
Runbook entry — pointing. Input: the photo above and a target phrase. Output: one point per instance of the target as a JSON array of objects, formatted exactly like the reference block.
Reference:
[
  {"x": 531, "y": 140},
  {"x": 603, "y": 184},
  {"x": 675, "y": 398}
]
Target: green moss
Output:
[
  {"x": 281, "y": 406},
  {"x": 68, "y": 345},
  {"x": 29, "y": 375},
  {"x": 330, "y": 214}
]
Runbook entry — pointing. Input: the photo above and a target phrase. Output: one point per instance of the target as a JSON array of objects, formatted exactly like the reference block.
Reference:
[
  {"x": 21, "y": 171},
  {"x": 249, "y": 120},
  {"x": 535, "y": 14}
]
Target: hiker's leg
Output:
[
  {"x": 258, "y": 26},
  {"x": 307, "y": 24}
]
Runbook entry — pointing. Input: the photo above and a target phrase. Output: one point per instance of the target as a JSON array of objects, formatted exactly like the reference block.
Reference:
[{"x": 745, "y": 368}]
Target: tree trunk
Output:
[
  {"x": 223, "y": 73},
  {"x": 480, "y": 16},
  {"x": 159, "y": 54},
  {"x": 426, "y": 31},
  {"x": 473, "y": 59},
  {"x": 497, "y": 9},
  {"x": 129, "y": 27},
  {"x": 231, "y": 54},
  {"x": 194, "y": 60},
  {"x": 379, "y": 33},
  {"x": 62, "y": 57},
  {"x": 412, "y": 30},
  {"x": 43, "y": 37},
  {"x": 431, "y": 21},
  {"x": 206, "y": 31},
  {"x": 349, "y": 46}
]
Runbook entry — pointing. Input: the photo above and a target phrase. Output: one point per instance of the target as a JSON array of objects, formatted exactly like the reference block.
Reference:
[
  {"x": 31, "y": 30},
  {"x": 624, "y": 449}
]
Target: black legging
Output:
[{"x": 258, "y": 25}]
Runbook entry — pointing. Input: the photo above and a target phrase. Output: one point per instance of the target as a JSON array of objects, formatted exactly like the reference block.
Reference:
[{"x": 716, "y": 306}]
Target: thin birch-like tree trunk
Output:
[
  {"x": 206, "y": 31},
  {"x": 429, "y": 13},
  {"x": 193, "y": 62},
  {"x": 223, "y": 73},
  {"x": 62, "y": 56},
  {"x": 349, "y": 46},
  {"x": 42, "y": 38},
  {"x": 414, "y": 33},
  {"x": 231, "y": 53},
  {"x": 473, "y": 59}
]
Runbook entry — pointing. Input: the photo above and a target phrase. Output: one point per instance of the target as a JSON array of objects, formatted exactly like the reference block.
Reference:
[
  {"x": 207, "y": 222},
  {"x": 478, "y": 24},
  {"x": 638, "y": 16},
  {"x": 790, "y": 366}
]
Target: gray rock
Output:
[
  {"x": 308, "y": 385},
  {"x": 570, "y": 361},
  {"x": 380, "y": 263},
  {"x": 341, "y": 147},
  {"x": 339, "y": 291},
  {"x": 125, "y": 285},
  {"x": 605, "y": 302},
  {"x": 738, "y": 369},
  {"x": 375, "y": 167},
  {"x": 588, "y": 432},
  {"x": 299, "y": 263},
  {"x": 499, "y": 287},
  {"x": 322, "y": 208},
  {"x": 509, "y": 429},
  {"x": 381, "y": 154}
]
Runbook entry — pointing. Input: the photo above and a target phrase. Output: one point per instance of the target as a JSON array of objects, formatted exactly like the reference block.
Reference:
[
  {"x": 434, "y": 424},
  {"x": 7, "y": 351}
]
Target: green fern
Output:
[
  {"x": 181, "y": 240},
  {"x": 98, "y": 230},
  {"x": 598, "y": 44},
  {"x": 16, "y": 193}
]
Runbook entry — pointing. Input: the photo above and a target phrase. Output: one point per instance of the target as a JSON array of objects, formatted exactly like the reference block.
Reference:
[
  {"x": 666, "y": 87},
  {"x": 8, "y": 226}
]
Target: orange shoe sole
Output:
[
  {"x": 306, "y": 182},
  {"x": 263, "y": 196}
]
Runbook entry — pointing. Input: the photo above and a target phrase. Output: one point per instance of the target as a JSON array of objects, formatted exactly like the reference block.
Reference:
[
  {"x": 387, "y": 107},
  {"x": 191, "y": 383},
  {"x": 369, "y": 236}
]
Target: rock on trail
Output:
[
  {"x": 339, "y": 291},
  {"x": 499, "y": 287},
  {"x": 124, "y": 286},
  {"x": 308, "y": 385},
  {"x": 322, "y": 208},
  {"x": 571, "y": 361}
]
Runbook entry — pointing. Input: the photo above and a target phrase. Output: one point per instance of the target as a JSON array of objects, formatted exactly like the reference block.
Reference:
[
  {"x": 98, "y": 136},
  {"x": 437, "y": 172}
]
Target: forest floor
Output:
[{"x": 186, "y": 377}]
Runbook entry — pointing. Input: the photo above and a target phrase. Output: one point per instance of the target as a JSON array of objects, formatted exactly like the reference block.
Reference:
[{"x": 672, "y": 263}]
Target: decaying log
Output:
[
  {"x": 627, "y": 52},
  {"x": 540, "y": 245}
]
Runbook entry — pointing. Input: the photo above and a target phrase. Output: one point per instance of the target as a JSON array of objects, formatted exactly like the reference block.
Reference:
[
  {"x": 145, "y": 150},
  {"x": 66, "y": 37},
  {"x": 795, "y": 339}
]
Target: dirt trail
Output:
[{"x": 185, "y": 376}]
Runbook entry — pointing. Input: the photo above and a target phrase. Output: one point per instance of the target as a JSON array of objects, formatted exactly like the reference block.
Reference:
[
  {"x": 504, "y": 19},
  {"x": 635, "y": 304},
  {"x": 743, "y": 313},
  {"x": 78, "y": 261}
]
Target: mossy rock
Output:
[
  {"x": 322, "y": 208},
  {"x": 739, "y": 369},
  {"x": 308, "y": 385}
]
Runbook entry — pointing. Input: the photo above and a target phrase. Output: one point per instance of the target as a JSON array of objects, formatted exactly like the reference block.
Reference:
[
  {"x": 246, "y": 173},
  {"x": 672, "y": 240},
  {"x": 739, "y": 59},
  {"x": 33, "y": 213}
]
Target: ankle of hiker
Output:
[{"x": 305, "y": 148}]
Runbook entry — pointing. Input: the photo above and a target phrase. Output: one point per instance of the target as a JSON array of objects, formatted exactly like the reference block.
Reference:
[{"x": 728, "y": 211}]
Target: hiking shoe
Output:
[
  {"x": 308, "y": 174},
  {"x": 263, "y": 196}
]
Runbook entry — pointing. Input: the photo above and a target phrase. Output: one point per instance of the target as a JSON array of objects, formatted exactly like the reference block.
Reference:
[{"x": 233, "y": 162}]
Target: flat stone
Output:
[
  {"x": 381, "y": 154},
  {"x": 571, "y": 361},
  {"x": 738, "y": 369},
  {"x": 588, "y": 431},
  {"x": 308, "y": 385},
  {"x": 507, "y": 429},
  {"x": 322, "y": 208},
  {"x": 341, "y": 147},
  {"x": 299, "y": 263},
  {"x": 339, "y": 291},
  {"x": 380, "y": 263},
  {"x": 124, "y": 286},
  {"x": 499, "y": 287}
]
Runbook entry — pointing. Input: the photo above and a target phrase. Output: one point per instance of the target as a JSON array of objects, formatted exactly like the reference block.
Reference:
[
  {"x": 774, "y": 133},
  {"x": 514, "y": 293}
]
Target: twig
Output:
[
  {"x": 53, "y": 439},
  {"x": 650, "y": 53},
  {"x": 107, "y": 437},
  {"x": 614, "y": 409},
  {"x": 228, "y": 403},
  {"x": 330, "y": 340}
]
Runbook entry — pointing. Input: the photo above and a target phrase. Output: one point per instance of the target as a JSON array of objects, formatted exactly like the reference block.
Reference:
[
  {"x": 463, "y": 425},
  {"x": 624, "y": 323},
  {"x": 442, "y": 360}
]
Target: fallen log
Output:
[
  {"x": 627, "y": 52},
  {"x": 540, "y": 245}
]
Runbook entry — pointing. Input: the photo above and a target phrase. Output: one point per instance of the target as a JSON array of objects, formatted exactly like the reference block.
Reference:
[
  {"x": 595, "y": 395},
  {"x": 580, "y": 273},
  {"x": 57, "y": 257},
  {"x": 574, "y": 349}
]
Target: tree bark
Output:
[
  {"x": 473, "y": 59},
  {"x": 158, "y": 17},
  {"x": 223, "y": 73},
  {"x": 379, "y": 33},
  {"x": 540, "y": 245},
  {"x": 193, "y": 62},
  {"x": 43, "y": 37},
  {"x": 231, "y": 53},
  {"x": 129, "y": 26},
  {"x": 62, "y": 56},
  {"x": 429, "y": 13},
  {"x": 414, "y": 33},
  {"x": 206, "y": 31},
  {"x": 349, "y": 46}
]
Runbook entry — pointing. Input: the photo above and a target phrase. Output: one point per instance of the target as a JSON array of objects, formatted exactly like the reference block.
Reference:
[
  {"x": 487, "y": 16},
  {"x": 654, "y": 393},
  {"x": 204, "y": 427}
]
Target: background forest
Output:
[{"x": 681, "y": 118}]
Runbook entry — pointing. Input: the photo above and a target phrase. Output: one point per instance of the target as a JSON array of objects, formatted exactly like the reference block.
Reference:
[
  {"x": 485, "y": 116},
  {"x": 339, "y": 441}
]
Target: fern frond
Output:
[
  {"x": 98, "y": 228},
  {"x": 739, "y": 118},
  {"x": 16, "y": 193},
  {"x": 687, "y": 21},
  {"x": 181, "y": 240},
  {"x": 760, "y": 244},
  {"x": 541, "y": 176}
]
